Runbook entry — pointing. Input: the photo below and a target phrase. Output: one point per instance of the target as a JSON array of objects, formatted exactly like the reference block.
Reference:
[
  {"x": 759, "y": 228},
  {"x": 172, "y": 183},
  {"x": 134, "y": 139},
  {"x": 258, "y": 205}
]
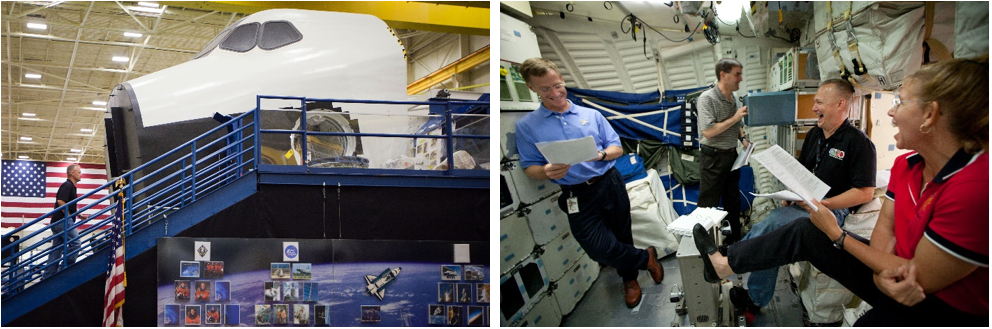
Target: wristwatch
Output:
[
  {"x": 839, "y": 243},
  {"x": 603, "y": 157}
]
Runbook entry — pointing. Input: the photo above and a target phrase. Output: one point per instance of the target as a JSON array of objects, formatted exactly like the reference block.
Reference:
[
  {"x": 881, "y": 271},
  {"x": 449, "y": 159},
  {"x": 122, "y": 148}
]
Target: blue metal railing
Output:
[
  {"x": 448, "y": 137},
  {"x": 177, "y": 179},
  {"x": 203, "y": 166}
]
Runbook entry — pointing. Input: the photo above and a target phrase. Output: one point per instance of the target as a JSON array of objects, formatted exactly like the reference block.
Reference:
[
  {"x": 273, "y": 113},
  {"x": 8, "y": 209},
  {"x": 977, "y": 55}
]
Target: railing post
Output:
[
  {"x": 256, "y": 130},
  {"x": 182, "y": 185},
  {"x": 449, "y": 137},
  {"x": 192, "y": 171},
  {"x": 238, "y": 148},
  {"x": 129, "y": 205},
  {"x": 303, "y": 125}
]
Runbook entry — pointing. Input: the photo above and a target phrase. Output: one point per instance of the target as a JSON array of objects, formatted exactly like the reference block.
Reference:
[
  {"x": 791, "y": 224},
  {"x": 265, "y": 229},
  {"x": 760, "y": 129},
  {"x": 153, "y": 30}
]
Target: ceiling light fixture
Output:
[
  {"x": 23, "y": 157},
  {"x": 148, "y": 4},
  {"x": 37, "y": 26},
  {"x": 86, "y": 130},
  {"x": 99, "y": 103},
  {"x": 75, "y": 150},
  {"x": 94, "y": 108},
  {"x": 132, "y": 34},
  {"x": 29, "y": 115},
  {"x": 26, "y": 138},
  {"x": 148, "y": 10},
  {"x": 70, "y": 159},
  {"x": 32, "y": 76},
  {"x": 122, "y": 59}
]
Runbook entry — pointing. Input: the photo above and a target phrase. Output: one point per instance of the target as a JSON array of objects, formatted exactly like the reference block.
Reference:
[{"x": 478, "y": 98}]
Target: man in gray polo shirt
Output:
[{"x": 720, "y": 128}]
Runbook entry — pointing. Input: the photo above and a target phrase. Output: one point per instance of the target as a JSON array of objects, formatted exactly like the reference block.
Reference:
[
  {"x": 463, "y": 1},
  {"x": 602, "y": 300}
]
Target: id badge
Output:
[{"x": 573, "y": 205}]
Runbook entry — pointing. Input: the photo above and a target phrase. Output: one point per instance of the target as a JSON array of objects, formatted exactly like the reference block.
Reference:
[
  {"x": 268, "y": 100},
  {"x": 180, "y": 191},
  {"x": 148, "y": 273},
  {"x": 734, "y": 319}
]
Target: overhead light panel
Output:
[
  {"x": 32, "y": 76},
  {"x": 729, "y": 11},
  {"x": 37, "y": 26},
  {"x": 148, "y": 4},
  {"x": 86, "y": 130},
  {"x": 70, "y": 159},
  {"x": 23, "y": 138},
  {"x": 94, "y": 108},
  {"x": 99, "y": 103},
  {"x": 132, "y": 34},
  {"x": 122, "y": 59},
  {"x": 148, "y": 10},
  {"x": 29, "y": 115},
  {"x": 23, "y": 157},
  {"x": 75, "y": 150}
]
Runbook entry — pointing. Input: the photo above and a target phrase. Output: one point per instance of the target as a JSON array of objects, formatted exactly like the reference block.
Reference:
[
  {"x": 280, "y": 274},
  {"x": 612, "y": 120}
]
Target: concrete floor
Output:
[{"x": 603, "y": 304}]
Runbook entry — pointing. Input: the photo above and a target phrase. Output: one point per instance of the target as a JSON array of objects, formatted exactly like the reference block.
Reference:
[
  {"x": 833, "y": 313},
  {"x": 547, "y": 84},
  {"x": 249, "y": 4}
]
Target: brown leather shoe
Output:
[
  {"x": 657, "y": 272},
  {"x": 631, "y": 293}
]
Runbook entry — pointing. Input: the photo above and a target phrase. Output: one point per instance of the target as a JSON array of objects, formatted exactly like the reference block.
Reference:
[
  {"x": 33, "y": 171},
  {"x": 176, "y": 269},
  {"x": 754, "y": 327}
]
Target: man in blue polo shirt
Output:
[{"x": 593, "y": 192}]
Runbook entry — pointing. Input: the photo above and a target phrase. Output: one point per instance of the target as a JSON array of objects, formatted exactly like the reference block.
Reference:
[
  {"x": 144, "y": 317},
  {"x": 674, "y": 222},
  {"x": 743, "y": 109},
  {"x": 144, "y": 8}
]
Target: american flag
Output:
[
  {"x": 29, "y": 189},
  {"x": 113, "y": 297}
]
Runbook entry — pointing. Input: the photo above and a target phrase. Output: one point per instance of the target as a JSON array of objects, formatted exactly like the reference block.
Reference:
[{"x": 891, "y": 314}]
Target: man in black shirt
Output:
[
  {"x": 67, "y": 193},
  {"x": 838, "y": 154}
]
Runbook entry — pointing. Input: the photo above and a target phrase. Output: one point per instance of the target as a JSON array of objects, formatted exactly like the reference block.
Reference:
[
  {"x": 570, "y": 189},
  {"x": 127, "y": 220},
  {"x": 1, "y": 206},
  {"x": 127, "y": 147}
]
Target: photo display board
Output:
[{"x": 306, "y": 282}]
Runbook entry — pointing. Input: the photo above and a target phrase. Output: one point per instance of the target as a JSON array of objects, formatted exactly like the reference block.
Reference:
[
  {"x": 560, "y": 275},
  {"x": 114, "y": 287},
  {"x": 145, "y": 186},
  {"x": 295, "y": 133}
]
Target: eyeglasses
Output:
[
  {"x": 557, "y": 86},
  {"x": 896, "y": 102}
]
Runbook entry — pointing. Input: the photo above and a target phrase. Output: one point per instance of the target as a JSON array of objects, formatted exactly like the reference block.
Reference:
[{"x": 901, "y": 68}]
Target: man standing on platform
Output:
[{"x": 593, "y": 192}]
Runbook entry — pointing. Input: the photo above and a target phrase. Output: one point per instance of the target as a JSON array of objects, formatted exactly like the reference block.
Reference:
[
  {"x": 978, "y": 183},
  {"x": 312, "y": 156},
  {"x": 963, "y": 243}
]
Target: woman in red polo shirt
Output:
[{"x": 927, "y": 261}]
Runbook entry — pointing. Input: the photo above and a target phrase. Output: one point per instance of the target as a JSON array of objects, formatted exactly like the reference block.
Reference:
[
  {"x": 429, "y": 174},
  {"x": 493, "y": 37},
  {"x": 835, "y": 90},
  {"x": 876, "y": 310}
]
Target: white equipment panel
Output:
[
  {"x": 529, "y": 190},
  {"x": 515, "y": 242},
  {"x": 573, "y": 286},
  {"x": 521, "y": 289},
  {"x": 544, "y": 314},
  {"x": 561, "y": 254},
  {"x": 546, "y": 219}
]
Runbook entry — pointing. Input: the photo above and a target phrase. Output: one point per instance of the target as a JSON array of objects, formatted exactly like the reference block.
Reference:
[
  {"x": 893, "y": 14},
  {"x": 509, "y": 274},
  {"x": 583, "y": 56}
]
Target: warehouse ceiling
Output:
[{"x": 61, "y": 59}]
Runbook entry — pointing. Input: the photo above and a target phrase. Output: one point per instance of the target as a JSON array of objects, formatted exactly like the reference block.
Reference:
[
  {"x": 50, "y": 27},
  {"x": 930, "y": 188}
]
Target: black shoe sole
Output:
[
  {"x": 740, "y": 298},
  {"x": 704, "y": 243}
]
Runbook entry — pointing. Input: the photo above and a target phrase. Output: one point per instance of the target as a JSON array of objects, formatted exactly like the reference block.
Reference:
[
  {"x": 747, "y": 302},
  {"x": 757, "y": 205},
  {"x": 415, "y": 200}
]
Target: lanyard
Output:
[{"x": 819, "y": 153}]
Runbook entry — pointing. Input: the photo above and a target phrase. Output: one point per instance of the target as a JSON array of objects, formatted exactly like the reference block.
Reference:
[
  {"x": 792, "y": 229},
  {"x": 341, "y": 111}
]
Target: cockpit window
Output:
[
  {"x": 242, "y": 39},
  {"x": 216, "y": 40},
  {"x": 276, "y": 34}
]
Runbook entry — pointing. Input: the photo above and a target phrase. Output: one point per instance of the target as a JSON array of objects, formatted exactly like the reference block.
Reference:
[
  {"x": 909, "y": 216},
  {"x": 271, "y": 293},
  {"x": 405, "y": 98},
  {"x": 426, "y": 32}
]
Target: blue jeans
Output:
[
  {"x": 761, "y": 284},
  {"x": 57, "y": 243}
]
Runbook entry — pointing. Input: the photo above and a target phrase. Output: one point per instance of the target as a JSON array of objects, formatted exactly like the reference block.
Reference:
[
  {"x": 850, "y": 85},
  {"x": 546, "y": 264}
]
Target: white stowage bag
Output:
[
  {"x": 889, "y": 39},
  {"x": 650, "y": 213}
]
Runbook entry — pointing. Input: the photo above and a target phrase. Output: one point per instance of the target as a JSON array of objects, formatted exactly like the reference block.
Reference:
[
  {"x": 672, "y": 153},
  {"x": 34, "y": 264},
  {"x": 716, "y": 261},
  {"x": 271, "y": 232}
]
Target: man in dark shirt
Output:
[
  {"x": 838, "y": 154},
  {"x": 67, "y": 193}
]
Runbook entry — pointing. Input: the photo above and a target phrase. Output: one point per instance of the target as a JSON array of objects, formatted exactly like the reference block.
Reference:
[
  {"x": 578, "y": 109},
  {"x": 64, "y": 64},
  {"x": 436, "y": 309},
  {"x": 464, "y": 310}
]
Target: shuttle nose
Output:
[{"x": 120, "y": 123}]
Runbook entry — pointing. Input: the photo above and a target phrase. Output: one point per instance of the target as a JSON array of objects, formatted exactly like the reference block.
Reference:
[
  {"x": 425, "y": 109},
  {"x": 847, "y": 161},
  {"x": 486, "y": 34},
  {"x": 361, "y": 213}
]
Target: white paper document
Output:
[
  {"x": 792, "y": 174},
  {"x": 570, "y": 152},
  {"x": 781, "y": 195},
  {"x": 742, "y": 159},
  {"x": 707, "y": 217}
]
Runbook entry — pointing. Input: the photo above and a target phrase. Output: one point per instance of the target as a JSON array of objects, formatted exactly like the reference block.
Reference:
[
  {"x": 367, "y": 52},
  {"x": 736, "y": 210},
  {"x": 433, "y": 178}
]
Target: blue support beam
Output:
[{"x": 299, "y": 175}]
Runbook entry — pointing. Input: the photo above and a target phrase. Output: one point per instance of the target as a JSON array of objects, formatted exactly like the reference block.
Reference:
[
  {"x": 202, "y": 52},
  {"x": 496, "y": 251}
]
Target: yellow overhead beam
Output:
[
  {"x": 458, "y": 18},
  {"x": 464, "y": 64}
]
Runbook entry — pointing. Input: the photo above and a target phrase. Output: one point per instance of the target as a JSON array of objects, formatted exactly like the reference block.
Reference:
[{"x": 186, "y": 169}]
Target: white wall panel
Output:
[{"x": 642, "y": 71}]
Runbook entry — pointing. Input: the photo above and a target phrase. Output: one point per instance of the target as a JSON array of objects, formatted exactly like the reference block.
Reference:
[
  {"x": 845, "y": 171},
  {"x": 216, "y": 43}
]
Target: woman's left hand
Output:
[
  {"x": 824, "y": 219},
  {"x": 900, "y": 285}
]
